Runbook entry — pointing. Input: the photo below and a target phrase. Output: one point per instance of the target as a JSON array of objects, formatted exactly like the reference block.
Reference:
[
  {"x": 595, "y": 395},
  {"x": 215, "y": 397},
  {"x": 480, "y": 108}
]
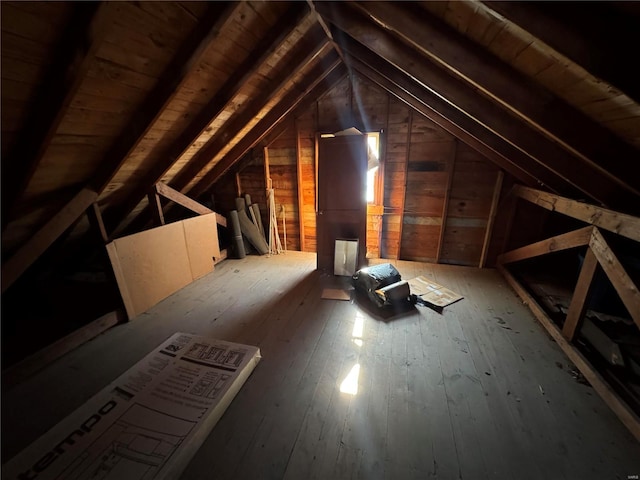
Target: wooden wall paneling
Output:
[
  {"x": 307, "y": 123},
  {"x": 405, "y": 183},
  {"x": 447, "y": 195},
  {"x": 300, "y": 189},
  {"x": 469, "y": 206},
  {"x": 71, "y": 59},
  {"x": 283, "y": 168},
  {"x": 580, "y": 296},
  {"x": 492, "y": 216}
]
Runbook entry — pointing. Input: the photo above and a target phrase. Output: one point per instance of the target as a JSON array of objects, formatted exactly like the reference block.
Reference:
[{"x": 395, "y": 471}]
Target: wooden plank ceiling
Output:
[{"x": 100, "y": 101}]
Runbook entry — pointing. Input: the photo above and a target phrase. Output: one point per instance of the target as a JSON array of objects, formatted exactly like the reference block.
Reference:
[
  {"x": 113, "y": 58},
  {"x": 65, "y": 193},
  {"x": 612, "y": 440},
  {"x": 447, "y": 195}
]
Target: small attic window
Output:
[{"x": 373, "y": 164}]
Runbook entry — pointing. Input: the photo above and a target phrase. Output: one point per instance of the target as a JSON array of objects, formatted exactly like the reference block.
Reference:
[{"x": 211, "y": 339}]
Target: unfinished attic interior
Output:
[{"x": 220, "y": 168}]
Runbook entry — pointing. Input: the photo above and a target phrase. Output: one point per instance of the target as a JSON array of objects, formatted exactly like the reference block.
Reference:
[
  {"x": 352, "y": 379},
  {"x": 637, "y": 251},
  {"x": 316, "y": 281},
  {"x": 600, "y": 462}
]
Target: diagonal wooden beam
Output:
[
  {"x": 272, "y": 124},
  {"x": 513, "y": 90},
  {"x": 186, "y": 58},
  {"x": 466, "y": 99},
  {"x": 576, "y": 238},
  {"x": 578, "y": 304},
  {"x": 220, "y": 101},
  {"x": 324, "y": 76},
  {"x": 616, "y": 222},
  {"x": 42, "y": 240},
  {"x": 306, "y": 54},
  {"x": 619, "y": 278},
  {"x": 597, "y": 39},
  {"x": 503, "y": 154},
  {"x": 170, "y": 194},
  {"x": 73, "y": 54}
]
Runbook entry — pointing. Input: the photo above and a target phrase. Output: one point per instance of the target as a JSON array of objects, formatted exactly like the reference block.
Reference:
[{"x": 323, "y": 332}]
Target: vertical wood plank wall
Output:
[{"x": 418, "y": 164}]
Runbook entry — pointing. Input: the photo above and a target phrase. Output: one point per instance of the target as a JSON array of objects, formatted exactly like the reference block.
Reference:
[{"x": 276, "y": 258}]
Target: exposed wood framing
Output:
[
  {"x": 154, "y": 103},
  {"x": 621, "y": 281},
  {"x": 38, "y": 243},
  {"x": 576, "y": 238},
  {"x": 447, "y": 194},
  {"x": 492, "y": 217},
  {"x": 155, "y": 206},
  {"x": 70, "y": 63},
  {"x": 616, "y": 222},
  {"x": 505, "y": 155},
  {"x": 300, "y": 189},
  {"x": 406, "y": 181},
  {"x": 214, "y": 107},
  {"x": 580, "y": 296},
  {"x": 95, "y": 219},
  {"x": 323, "y": 77},
  {"x": 586, "y": 39},
  {"x": 170, "y": 194},
  {"x": 626, "y": 415},
  {"x": 591, "y": 182},
  {"x": 529, "y": 101}
]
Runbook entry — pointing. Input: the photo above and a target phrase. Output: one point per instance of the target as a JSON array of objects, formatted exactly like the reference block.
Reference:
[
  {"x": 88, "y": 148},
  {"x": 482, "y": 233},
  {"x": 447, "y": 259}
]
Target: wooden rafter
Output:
[
  {"x": 306, "y": 54},
  {"x": 466, "y": 99},
  {"x": 185, "y": 59},
  {"x": 626, "y": 225},
  {"x": 530, "y": 102},
  {"x": 74, "y": 53},
  {"x": 492, "y": 216},
  {"x": 517, "y": 163},
  {"x": 323, "y": 77},
  {"x": 220, "y": 101},
  {"x": 597, "y": 39}
]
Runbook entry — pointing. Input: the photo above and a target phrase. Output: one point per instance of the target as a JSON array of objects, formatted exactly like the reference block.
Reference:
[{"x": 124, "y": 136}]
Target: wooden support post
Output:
[
  {"x": 238, "y": 185},
  {"x": 300, "y": 190},
  {"x": 406, "y": 181},
  {"x": 447, "y": 194},
  {"x": 156, "y": 208},
  {"x": 580, "y": 296},
  {"x": 267, "y": 173},
  {"x": 620, "y": 280},
  {"x": 491, "y": 219},
  {"x": 95, "y": 219}
]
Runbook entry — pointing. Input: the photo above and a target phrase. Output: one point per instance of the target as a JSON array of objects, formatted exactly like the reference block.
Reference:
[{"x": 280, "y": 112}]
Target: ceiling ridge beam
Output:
[
  {"x": 187, "y": 56},
  {"x": 74, "y": 51},
  {"x": 513, "y": 90},
  {"x": 502, "y": 123}
]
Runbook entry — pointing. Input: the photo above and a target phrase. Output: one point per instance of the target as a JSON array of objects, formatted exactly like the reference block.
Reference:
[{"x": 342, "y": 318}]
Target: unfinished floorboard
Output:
[{"x": 473, "y": 392}]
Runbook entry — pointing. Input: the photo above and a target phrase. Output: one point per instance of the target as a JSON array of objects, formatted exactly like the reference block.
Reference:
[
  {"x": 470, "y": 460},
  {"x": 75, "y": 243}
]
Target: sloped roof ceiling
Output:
[{"x": 100, "y": 101}]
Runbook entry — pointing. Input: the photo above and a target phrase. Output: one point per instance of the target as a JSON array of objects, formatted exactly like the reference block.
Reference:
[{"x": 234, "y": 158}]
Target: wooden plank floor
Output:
[{"x": 480, "y": 391}]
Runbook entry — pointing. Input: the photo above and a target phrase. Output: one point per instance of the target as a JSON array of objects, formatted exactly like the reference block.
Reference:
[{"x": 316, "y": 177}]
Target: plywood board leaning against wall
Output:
[{"x": 151, "y": 265}]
